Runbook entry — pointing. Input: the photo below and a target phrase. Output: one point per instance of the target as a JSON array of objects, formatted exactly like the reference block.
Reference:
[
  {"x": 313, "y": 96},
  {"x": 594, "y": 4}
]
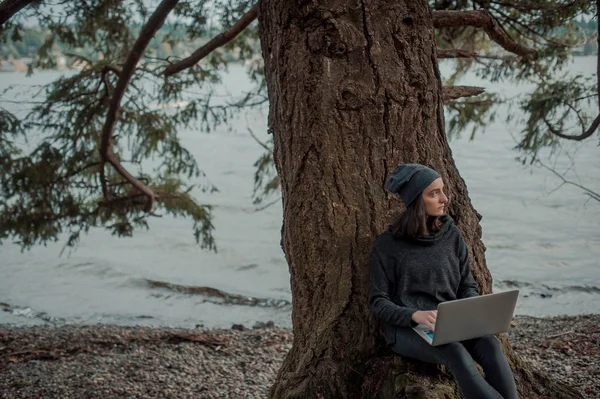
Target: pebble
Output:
[{"x": 103, "y": 361}]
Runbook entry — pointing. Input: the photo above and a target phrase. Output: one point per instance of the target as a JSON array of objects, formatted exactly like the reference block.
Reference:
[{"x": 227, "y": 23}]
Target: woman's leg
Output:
[
  {"x": 454, "y": 356},
  {"x": 487, "y": 351}
]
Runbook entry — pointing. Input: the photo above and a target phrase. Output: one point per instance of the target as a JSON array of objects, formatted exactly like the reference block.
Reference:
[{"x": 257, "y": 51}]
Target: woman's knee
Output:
[
  {"x": 455, "y": 354},
  {"x": 455, "y": 348},
  {"x": 490, "y": 344},
  {"x": 488, "y": 347}
]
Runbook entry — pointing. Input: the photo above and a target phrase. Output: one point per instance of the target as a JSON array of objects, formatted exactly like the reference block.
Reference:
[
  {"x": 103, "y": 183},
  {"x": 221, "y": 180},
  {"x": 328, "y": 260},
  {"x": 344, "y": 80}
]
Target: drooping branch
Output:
[
  {"x": 106, "y": 155},
  {"x": 218, "y": 41},
  {"x": 526, "y": 30},
  {"x": 585, "y": 133},
  {"x": 8, "y": 8},
  {"x": 480, "y": 19},
  {"x": 454, "y": 92}
]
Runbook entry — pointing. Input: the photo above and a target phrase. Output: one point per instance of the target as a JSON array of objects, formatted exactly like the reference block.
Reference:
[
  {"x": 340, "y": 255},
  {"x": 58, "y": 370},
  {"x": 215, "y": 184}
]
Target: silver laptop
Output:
[{"x": 470, "y": 318}]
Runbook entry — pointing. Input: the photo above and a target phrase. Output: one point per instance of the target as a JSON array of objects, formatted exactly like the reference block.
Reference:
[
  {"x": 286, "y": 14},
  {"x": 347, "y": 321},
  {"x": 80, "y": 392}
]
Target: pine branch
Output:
[
  {"x": 522, "y": 28},
  {"x": 480, "y": 19},
  {"x": 218, "y": 41},
  {"x": 454, "y": 92},
  {"x": 8, "y": 8},
  {"x": 585, "y": 133},
  {"x": 531, "y": 7},
  {"x": 106, "y": 155}
]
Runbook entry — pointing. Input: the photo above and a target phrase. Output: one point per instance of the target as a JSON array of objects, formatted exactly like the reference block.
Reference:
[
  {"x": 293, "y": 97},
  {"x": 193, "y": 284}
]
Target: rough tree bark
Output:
[{"x": 354, "y": 89}]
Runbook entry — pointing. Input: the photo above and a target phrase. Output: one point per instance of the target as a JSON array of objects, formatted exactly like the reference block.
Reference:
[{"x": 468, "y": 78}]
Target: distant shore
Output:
[
  {"x": 105, "y": 361},
  {"x": 22, "y": 64}
]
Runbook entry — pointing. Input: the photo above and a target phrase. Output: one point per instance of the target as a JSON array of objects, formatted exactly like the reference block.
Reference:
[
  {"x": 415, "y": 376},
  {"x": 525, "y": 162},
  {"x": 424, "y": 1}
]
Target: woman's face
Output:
[{"x": 434, "y": 198}]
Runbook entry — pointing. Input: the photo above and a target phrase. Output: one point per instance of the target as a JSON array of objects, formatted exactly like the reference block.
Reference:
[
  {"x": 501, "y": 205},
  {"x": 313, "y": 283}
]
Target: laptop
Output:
[{"x": 470, "y": 318}]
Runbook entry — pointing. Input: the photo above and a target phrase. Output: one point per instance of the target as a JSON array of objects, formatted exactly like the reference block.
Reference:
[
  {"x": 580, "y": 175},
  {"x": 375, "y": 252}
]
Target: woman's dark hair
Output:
[{"x": 414, "y": 222}]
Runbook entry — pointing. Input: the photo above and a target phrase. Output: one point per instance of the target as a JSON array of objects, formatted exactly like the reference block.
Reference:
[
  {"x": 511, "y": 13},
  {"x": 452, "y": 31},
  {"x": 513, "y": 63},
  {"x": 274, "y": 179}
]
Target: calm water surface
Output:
[{"x": 547, "y": 243}]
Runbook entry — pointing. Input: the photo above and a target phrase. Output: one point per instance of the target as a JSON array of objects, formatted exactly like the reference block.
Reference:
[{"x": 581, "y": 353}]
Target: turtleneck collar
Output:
[{"x": 432, "y": 239}]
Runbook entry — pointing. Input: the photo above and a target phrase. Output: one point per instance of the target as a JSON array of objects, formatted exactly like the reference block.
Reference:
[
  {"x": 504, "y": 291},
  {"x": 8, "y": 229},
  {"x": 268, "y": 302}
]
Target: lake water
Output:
[{"x": 547, "y": 243}]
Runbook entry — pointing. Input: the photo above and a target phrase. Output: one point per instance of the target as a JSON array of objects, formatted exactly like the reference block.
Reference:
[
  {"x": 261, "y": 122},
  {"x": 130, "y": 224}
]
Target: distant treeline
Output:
[
  {"x": 31, "y": 39},
  {"x": 591, "y": 30}
]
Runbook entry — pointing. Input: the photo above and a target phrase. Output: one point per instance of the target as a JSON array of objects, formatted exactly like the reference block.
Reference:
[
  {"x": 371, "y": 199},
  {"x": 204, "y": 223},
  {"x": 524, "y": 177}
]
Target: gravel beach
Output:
[{"x": 138, "y": 362}]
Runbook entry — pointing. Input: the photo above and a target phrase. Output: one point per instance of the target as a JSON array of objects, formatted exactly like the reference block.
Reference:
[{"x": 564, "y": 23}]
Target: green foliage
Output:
[
  {"x": 52, "y": 185},
  {"x": 552, "y": 105},
  {"x": 554, "y": 29},
  {"x": 177, "y": 201},
  {"x": 468, "y": 113},
  {"x": 54, "y": 180},
  {"x": 550, "y": 27}
]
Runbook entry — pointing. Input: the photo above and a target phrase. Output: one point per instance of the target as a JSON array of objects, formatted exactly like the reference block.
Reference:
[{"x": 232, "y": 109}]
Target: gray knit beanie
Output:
[{"x": 409, "y": 180}]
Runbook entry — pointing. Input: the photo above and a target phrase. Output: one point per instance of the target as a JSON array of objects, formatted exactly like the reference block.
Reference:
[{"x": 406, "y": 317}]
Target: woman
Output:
[{"x": 420, "y": 261}]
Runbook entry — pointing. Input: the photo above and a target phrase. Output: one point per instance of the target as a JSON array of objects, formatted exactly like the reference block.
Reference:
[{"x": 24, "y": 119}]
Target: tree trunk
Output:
[{"x": 355, "y": 89}]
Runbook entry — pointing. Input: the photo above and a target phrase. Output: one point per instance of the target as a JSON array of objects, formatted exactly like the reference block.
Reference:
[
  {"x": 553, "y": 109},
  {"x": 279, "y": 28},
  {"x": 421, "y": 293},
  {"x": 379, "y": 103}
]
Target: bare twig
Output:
[
  {"x": 480, "y": 19},
  {"x": 262, "y": 144},
  {"x": 262, "y": 208},
  {"x": 454, "y": 92},
  {"x": 594, "y": 195},
  {"x": 77, "y": 171},
  {"x": 8, "y": 8},
  {"x": 560, "y": 334},
  {"x": 579, "y": 116},
  {"x": 216, "y": 42},
  {"x": 106, "y": 155}
]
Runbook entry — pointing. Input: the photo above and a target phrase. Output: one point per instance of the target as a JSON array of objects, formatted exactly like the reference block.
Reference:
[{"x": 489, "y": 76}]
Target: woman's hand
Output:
[{"x": 426, "y": 317}]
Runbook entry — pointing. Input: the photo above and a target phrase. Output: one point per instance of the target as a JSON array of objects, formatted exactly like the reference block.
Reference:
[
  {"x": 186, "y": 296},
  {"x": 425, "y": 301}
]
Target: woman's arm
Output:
[
  {"x": 380, "y": 290},
  {"x": 468, "y": 286}
]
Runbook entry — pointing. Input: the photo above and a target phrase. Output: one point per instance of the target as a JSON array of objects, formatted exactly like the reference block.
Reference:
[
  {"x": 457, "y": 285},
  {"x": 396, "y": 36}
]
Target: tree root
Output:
[{"x": 394, "y": 377}]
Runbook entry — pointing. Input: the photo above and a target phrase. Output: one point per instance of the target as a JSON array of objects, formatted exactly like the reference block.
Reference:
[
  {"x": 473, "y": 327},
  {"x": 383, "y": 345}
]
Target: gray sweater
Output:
[{"x": 407, "y": 275}]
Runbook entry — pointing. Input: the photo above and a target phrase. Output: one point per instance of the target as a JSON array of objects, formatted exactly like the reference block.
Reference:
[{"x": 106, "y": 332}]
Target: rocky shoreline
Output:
[{"x": 139, "y": 362}]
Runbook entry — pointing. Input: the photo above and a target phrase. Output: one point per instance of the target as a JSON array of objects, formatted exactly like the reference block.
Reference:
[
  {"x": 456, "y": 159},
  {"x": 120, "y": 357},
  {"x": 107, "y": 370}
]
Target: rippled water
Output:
[{"x": 548, "y": 244}]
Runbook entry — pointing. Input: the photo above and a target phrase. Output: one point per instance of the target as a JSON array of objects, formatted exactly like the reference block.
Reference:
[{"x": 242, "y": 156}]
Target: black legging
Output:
[{"x": 460, "y": 358}]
